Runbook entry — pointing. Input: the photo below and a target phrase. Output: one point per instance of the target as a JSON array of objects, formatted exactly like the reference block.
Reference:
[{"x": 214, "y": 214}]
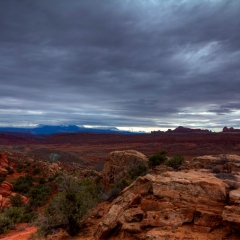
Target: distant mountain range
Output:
[{"x": 48, "y": 130}]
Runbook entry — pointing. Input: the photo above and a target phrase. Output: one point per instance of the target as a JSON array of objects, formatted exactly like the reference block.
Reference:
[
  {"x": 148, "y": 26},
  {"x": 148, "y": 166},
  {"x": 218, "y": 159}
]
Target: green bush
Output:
[
  {"x": 39, "y": 195},
  {"x": 23, "y": 184},
  {"x": 175, "y": 162},
  {"x": 19, "y": 167},
  {"x": 157, "y": 158},
  {"x": 5, "y": 223},
  {"x": 16, "y": 201},
  {"x": 2, "y": 179},
  {"x": 14, "y": 213},
  {"x": 29, "y": 217},
  {"x": 12, "y": 216},
  {"x": 42, "y": 180},
  {"x": 36, "y": 170},
  {"x": 69, "y": 207}
]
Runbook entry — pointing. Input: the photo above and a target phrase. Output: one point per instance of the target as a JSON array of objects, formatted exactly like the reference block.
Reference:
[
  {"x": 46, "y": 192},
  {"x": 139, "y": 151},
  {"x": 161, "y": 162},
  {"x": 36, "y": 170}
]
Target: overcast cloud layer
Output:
[{"x": 123, "y": 63}]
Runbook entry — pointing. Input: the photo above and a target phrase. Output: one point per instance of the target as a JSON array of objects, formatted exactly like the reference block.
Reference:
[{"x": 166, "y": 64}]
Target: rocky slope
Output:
[
  {"x": 156, "y": 204},
  {"x": 194, "y": 203}
]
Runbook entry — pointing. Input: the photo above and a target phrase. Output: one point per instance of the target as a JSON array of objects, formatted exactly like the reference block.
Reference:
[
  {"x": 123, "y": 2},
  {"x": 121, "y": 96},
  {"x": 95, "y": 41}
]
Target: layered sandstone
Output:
[{"x": 168, "y": 201}]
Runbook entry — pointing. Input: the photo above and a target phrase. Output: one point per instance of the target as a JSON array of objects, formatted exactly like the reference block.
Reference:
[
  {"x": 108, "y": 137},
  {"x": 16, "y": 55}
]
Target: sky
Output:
[{"x": 132, "y": 64}]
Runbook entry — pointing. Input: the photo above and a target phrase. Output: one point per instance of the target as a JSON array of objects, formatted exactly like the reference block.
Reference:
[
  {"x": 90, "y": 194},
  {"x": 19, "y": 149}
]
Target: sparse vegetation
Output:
[
  {"x": 14, "y": 215},
  {"x": 175, "y": 162},
  {"x": 228, "y": 176},
  {"x": 69, "y": 207},
  {"x": 115, "y": 189},
  {"x": 216, "y": 169},
  {"x": 23, "y": 184},
  {"x": 39, "y": 195},
  {"x": 16, "y": 201},
  {"x": 157, "y": 158},
  {"x": 2, "y": 179}
]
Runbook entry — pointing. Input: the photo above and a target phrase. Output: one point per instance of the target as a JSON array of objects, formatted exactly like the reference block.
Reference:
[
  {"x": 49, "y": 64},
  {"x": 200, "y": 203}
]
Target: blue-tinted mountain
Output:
[{"x": 47, "y": 130}]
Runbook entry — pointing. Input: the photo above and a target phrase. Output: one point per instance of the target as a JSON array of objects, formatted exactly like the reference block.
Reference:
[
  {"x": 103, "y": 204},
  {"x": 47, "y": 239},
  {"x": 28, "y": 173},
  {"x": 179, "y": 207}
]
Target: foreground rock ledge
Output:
[{"x": 169, "y": 201}]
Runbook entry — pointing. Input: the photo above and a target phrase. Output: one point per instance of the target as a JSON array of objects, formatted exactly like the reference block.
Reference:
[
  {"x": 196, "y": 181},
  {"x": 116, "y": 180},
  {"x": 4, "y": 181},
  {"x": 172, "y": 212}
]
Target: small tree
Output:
[{"x": 69, "y": 207}]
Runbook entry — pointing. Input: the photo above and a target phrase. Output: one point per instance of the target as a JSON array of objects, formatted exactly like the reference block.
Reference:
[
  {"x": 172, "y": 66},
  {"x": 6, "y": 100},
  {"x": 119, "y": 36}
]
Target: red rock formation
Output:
[
  {"x": 3, "y": 159},
  {"x": 169, "y": 201},
  {"x": 118, "y": 163},
  {"x": 230, "y": 130},
  {"x": 6, "y": 189}
]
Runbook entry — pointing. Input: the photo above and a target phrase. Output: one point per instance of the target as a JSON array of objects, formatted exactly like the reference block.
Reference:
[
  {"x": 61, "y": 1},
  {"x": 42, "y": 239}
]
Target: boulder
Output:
[
  {"x": 118, "y": 163},
  {"x": 3, "y": 171},
  {"x": 3, "y": 160},
  {"x": 167, "y": 201},
  {"x": 231, "y": 215},
  {"x": 234, "y": 196},
  {"x": 6, "y": 189},
  {"x": 223, "y": 161},
  {"x": 109, "y": 222},
  {"x": 192, "y": 187},
  {"x": 209, "y": 219}
]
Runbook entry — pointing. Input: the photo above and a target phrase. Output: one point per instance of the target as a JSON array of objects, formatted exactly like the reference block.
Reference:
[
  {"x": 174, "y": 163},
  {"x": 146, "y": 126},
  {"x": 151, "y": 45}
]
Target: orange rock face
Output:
[
  {"x": 6, "y": 189},
  {"x": 3, "y": 159},
  {"x": 168, "y": 201}
]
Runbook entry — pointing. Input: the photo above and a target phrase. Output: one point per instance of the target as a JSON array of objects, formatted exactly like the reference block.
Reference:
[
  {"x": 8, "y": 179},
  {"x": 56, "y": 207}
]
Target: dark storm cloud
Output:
[{"x": 120, "y": 63}]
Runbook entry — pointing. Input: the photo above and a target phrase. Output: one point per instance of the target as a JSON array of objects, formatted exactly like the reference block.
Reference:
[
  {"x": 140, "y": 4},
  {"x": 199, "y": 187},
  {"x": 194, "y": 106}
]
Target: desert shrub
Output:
[
  {"x": 19, "y": 167},
  {"x": 39, "y": 195},
  {"x": 113, "y": 193},
  {"x": 15, "y": 214},
  {"x": 42, "y": 180},
  {"x": 69, "y": 207},
  {"x": 23, "y": 184},
  {"x": 5, "y": 223},
  {"x": 175, "y": 162},
  {"x": 228, "y": 176},
  {"x": 216, "y": 169},
  {"x": 16, "y": 201},
  {"x": 12, "y": 216},
  {"x": 10, "y": 170},
  {"x": 157, "y": 158},
  {"x": 50, "y": 179},
  {"x": 232, "y": 185},
  {"x": 36, "y": 170},
  {"x": 209, "y": 167},
  {"x": 2, "y": 179},
  {"x": 29, "y": 217},
  {"x": 140, "y": 169}
]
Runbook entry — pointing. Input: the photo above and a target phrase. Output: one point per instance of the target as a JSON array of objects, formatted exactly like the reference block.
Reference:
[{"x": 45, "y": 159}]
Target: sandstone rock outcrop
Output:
[
  {"x": 3, "y": 163},
  {"x": 6, "y": 188},
  {"x": 168, "y": 201},
  {"x": 118, "y": 163},
  {"x": 3, "y": 160},
  {"x": 223, "y": 161}
]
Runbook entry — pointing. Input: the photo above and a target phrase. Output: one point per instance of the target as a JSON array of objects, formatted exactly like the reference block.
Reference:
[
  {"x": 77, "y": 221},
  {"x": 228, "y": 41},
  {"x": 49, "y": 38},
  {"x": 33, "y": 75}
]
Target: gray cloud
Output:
[{"x": 120, "y": 63}]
